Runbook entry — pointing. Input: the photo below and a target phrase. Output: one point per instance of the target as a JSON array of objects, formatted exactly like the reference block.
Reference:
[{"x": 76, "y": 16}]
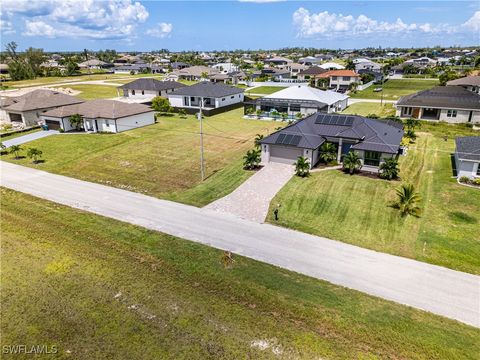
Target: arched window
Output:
[
  {"x": 133, "y": 92},
  {"x": 143, "y": 92}
]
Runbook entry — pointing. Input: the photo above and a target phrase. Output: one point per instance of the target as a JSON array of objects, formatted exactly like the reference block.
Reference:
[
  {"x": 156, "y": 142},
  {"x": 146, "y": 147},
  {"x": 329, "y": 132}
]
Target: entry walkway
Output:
[{"x": 251, "y": 200}]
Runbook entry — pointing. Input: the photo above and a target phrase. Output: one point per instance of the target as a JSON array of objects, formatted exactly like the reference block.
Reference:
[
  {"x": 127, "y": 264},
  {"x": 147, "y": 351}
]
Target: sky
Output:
[{"x": 130, "y": 25}]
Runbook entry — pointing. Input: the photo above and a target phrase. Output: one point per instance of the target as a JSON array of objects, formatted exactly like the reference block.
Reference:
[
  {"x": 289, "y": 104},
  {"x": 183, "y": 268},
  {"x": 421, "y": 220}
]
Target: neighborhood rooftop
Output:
[
  {"x": 468, "y": 147},
  {"x": 38, "y": 99},
  {"x": 151, "y": 84},
  {"x": 208, "y": 89},
  {"x": 455, "y": 97},
  {"x": 308, "y": 93},
  {"x": 466, "y": 81}
]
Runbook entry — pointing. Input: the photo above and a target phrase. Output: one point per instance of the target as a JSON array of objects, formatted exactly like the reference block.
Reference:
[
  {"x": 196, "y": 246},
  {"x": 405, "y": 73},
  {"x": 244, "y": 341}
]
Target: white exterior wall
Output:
[
  {"x": 177, "y": 101},
  {"x": 130, "y": 122},
  {"x": 466, "y": 168},
  {"x": 265, "y": 154},
  {"x": 340, "y": 81},
  {"x": 462, "y": 116},
  {"x": 147, "y": 94}
]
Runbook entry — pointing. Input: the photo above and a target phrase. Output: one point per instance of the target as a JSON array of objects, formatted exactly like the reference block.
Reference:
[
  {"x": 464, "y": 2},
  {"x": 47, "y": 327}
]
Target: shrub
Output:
[
  {"x": 161, "y": 104},
  {"x": 302, "y": 167},
  {"x": 464, "y": 179},
  {"x": 476, "y": 182}
]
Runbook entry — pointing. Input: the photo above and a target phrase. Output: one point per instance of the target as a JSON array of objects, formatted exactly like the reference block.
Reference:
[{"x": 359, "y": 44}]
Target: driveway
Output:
[
  {"x": 442, "y": 291},
  {"x": 29, "y": 137},
  {"x": 251, "y": 200}
]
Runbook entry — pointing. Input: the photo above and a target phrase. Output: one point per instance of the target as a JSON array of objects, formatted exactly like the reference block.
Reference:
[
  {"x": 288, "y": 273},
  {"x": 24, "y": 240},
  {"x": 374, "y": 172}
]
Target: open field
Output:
[
  {"x": 266, "y": 90},
  {"x": 367, "y": 108},
  {"x": 97, "y": 288},
  {"x": 394, "y": 89},
  {"x": 161, "y": 160},
  {"x": 91, "y": 92},
  {"x": 355, "y": 209}
]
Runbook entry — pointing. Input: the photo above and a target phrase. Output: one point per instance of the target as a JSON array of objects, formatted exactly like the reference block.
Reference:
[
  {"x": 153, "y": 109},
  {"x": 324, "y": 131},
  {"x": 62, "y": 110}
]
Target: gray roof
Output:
[
  {"x": 369, "y": 134},
  {"x": 208, "y": 89},
  {"x": 454, "y": 97},
  {"x": 468, "y": 147},
  {"x": 38, "y": 99},
  {"x": 152, "y": 84},
  {"x": 466, "y": 81},
  {"x": 314, "y": 70}
]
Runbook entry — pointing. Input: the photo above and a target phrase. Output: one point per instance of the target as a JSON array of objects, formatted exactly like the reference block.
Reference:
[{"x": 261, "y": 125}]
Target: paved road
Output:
[
  {"x": 251, "y": 200},
  {"x": 436, "y": 289},
  {"x": 29, "y": 137}
]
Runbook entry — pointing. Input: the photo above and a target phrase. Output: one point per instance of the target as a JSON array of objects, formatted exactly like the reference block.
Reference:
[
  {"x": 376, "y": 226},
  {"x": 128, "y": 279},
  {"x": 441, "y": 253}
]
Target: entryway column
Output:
[{"x": 339, "y": 152}]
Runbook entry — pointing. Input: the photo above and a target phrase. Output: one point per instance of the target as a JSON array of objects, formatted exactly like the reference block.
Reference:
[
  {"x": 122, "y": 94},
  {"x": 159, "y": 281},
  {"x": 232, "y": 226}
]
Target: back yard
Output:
[
  {"x": 265, "y": 90},
  {"x": 367, "y": 108},
  {"x": 394, "y": 89},
  {"x": 173, "y": 299},
  {"x": 161, "y": 160},
  {"x": 355, "y": 209}
]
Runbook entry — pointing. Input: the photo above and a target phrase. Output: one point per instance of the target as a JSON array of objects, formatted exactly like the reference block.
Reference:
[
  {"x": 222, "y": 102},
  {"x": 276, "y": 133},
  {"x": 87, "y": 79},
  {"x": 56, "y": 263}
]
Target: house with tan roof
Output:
[
  {"x": 339, "y": 79},
  {"x": 27, "y": 109},
  {"x": 100, "y": 116},
  {"x": 195, "y": 72}
]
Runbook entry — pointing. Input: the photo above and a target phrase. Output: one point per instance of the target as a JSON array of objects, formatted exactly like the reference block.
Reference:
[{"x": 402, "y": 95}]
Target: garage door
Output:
[
  {"x": 52, "y": 124},
  {"x": 285, "y": 154}
]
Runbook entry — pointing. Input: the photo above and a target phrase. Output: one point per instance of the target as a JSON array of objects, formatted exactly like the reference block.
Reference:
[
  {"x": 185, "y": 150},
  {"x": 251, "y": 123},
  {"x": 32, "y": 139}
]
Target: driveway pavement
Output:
[
  {"x": 251, "y": 200},
  {"x": 442, "y": 291},
  {"x": 29, "y": 137}
]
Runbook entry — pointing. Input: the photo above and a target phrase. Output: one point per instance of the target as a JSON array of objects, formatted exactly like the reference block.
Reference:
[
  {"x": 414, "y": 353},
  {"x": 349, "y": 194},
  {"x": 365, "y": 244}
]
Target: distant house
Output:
[
  {"x": 225, "y": 67},
  {"x": 467, "y": 156},
  {"x": 273, "y": 73},
  {"x": 310, "y": 73},
  {"x": 471, "y": 83},
  {"x": 295, "y": 69},
  {"x": 373, "y": 140},
  {"x": 27, "y": 109},
  {"x": 195, "y": 72},
  {"x": 299, "y": 99},
  {"x": 94, "y": 64},
  {"x": 3, "y": 68},
  {"x": 278, "y": 60},
  {"x": 340, "y": 79},
  {"x": 367, "y": 65},
  {"x": 100, "y": 116},
  {"x": 332, "y": 66},
  {"x": 213, "y": 98},
  {"x": 179, "y": 65},
  {"x": 453, "y": 104},
  {"x": 145, "y": 89},
  {"x": 138, "y": 69}
]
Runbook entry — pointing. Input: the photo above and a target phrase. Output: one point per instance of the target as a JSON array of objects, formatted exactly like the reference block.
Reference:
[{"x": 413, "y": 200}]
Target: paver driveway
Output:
[
  {"x": 251, "y": 200},
  {"x": 29, "y": 137}
]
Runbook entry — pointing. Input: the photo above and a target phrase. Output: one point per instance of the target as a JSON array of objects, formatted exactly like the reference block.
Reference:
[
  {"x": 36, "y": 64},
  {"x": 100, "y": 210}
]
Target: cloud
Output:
[
  {"x": 161, "y": 31},
  {"x": 473, "y": 23},
  {"x": 109, "y": 19},
  {"x": 6, "y": 27},
  {"x": 330, "y": 25}
]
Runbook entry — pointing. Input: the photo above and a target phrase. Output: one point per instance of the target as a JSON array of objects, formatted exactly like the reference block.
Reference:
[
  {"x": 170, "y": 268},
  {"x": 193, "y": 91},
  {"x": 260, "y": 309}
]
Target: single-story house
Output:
[
  {"x": 453, "y": 104},
  {"x": 138, "y": 68},
  {"x": 178, "y": 65},
  {"x": 310, "y": 72},
  {"x": 145, "y": 89},
  {"x": 332, "y": 66},
  {"x": 467, "y": 156},
  {"x": 27, "y": 108},
  {"x": 367, "y": 65},
  {"x": 278, "y": 60},
  {"x": 100, "y": 116},
  {"x": 373, "y": 140},
  {"x": 471, "y": 83},
  {"x": 273, "y": 73},
  {"x": 299, "y": 99},
  {"x": 213, "y": 98},
  {"x": 94, "y": 64},
  {"x": 339, "y": 79},
  {"x": 196, "y": 72}
]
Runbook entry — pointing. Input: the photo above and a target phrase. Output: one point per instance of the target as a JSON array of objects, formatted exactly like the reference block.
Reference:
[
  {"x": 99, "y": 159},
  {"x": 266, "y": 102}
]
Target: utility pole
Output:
[
  {"x": 199, "y": 115},
  {"x": 381, "y": 95}
]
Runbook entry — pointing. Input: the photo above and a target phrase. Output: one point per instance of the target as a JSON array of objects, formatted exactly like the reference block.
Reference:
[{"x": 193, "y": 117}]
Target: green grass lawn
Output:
[
  {"x": 366, "y": 108},
  {"x": 100, "y": 289},
  {"x": 161, "y": 160},
  {"x": 91, "y": 92},
  {"x": 12, "y": 135},
  {"x": 394, "y": 89},
  {"x": 354, "y": 209},
  {"x": 266, "y": 90}
]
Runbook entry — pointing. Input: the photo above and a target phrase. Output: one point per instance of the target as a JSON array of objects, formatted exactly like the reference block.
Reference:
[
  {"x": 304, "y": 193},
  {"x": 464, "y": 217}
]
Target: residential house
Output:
[
  {"x": 138, "y": 69},
  {"x": 373, "y": 140},
  {"x": 196, "y": 73},
  {"x": 94, "y": 64},
  {"x": 212, "y": 98},
  {"x": 471, "y": 83},
  {"x": 278, "y": 61},
  {"x": 272, "y": 73},
  {"x": 25, "y": 110},
  {"x": 367, "y": 65},
  {"x": 332, "y": 66},
  {"x": 143, "y": 90},
  {"x": 467, "y": 156},
  {"x": 299, "y": 99},
  {"x": 100, "y": 116},
  {"x": 225, "y": 68},
  {"x": 453, "y": 104},
  {"x": 310, "y": 73},
  {"x": 178, "y": 65},
  {"x": 296, "y": 69},
  {"x": 339, "y": 79}
]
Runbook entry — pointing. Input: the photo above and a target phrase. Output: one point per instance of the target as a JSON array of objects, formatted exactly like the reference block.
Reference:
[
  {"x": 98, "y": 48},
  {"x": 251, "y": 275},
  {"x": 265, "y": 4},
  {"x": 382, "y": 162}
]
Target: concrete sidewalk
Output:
[
  {"x": 439, "y": 290},
  {"x": 29, "y": 137}
]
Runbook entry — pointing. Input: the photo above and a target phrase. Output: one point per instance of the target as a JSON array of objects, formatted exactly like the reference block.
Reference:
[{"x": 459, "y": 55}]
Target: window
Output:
[
  {"x": 233, "y": 96},
  {"x": 334, "y": 78},
  {"x": 346, "y": 78},
  {"x": 133, "y": 92},
  {"x": 372, "y": 158},
  {"x": 223, "y": 99},
  {"x": 451, "y": 113},
  {"x": 107, "y": 123},
  {"x": 478, "y": 170},
  {"x": 407, "y": 111},
  {"x": 295, "y": 107},
  {"x": 143, "y": 92}
]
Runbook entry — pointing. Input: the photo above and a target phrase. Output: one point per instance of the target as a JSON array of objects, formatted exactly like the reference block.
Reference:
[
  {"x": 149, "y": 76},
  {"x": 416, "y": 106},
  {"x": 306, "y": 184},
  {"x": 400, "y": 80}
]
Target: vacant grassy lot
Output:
[
  {"x": 355, "y": 209},
  {"x": 394, "y": 89},
  {"x": 266, "y": 90},
  {"x": 91, "y": 92},
  {"x": 97, "y": 288},
  {"x": 367, "y": 108},
  {"x": 161, "y": 160}
]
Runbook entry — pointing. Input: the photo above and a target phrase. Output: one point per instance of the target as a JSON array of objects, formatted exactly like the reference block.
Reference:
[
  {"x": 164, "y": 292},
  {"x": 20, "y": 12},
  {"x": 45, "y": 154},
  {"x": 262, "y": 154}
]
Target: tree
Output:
[
  {"x": 34, "y": 153},
  {"x": 410, "y": 125},
  {"x": 161, "y": 104},
  {"x": 71, "y": 67},
  {"x": 302, "y": 167},
  {"x": 259, "y": 113},
  {"x": 204, "y": 75},
  {"x": 182, "y": 113},
  {"x": 251, "y": 159},
  {"x": 349, "y": 64},
  {"x": 15, "y": 149},
  {"x": 407, "y": 201},
  {"x": 258, "y": 138},
  {"x": 76, "y": 120},
  {"x": 447, "y": 76},
  {"x": 389, "y": 169},
  {"x": 352, "y": 162},
  {"x": 284, "y": 116},
  {"x": 328, "y": 152}
]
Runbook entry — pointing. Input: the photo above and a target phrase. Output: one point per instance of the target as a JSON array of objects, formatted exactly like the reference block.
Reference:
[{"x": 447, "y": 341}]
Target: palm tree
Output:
[
  {"x": 258, "y": 138},
  {"x": 389, "y": 169},
  {"x": 407, "y": 200},
  {"x": 15, "y": 149},
  {"x": 302, "y": 167},
  {"x": 76, "y": 120},
  {"x": 328, "y": 152},
  {"x": 204, "y": 75},
  {"x": 34, "y": 153},
  {"x": 352, "y": 162},
  {"x": 251, "y": 159}
]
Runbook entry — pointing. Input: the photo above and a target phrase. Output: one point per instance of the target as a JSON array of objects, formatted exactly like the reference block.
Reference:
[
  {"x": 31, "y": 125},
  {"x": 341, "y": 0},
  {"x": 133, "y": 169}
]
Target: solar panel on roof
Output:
[
  {"x": 280, "y": 139},
  {"x": 295, "y": 140},
  {"x": 287, "y": 139},
  {"x": 349, "y": 121}
]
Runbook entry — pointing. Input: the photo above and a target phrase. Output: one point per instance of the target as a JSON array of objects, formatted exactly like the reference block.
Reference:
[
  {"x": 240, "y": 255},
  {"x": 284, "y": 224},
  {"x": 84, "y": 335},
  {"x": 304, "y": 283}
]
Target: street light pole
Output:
[{"x": 202, "y": 170}]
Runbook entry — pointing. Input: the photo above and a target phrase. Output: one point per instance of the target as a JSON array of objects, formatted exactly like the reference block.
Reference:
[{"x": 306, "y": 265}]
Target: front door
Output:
[
  {"x": 470, "y": 116},
  {"x": 96, "y": 126}
]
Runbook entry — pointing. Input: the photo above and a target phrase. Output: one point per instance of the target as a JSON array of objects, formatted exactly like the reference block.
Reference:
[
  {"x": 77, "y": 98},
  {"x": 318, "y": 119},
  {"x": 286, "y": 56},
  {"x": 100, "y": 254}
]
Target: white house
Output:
[
  {"x": 225, "y": 68},
  {"x": 467, "y": 156},
  {"x": 332, "y": 66},
  {"x": 100, "y": 116},
  {"x": 143, "y": 90}
]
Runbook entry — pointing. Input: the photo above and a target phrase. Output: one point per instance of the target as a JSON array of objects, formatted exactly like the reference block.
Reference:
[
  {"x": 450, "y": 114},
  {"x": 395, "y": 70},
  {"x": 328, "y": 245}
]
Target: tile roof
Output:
[
  {"x": 468, "y": 147},
  {"x": 337, "y": 73},
  {"x": 39, "y": 99},
  {"x": 467, "y": 80},
  {"x": 208, "y": 89},
  {"x": 452, "y": 97},
  {"x": 152, "y": 84}
]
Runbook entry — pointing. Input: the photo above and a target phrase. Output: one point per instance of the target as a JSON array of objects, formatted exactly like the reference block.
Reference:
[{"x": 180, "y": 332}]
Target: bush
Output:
[
  {"x": 61, "y": 130},
  {"x": 161, "y": 104},
  {"x": 464, "y": 179},
  {"x": 476, "y": 182}
]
